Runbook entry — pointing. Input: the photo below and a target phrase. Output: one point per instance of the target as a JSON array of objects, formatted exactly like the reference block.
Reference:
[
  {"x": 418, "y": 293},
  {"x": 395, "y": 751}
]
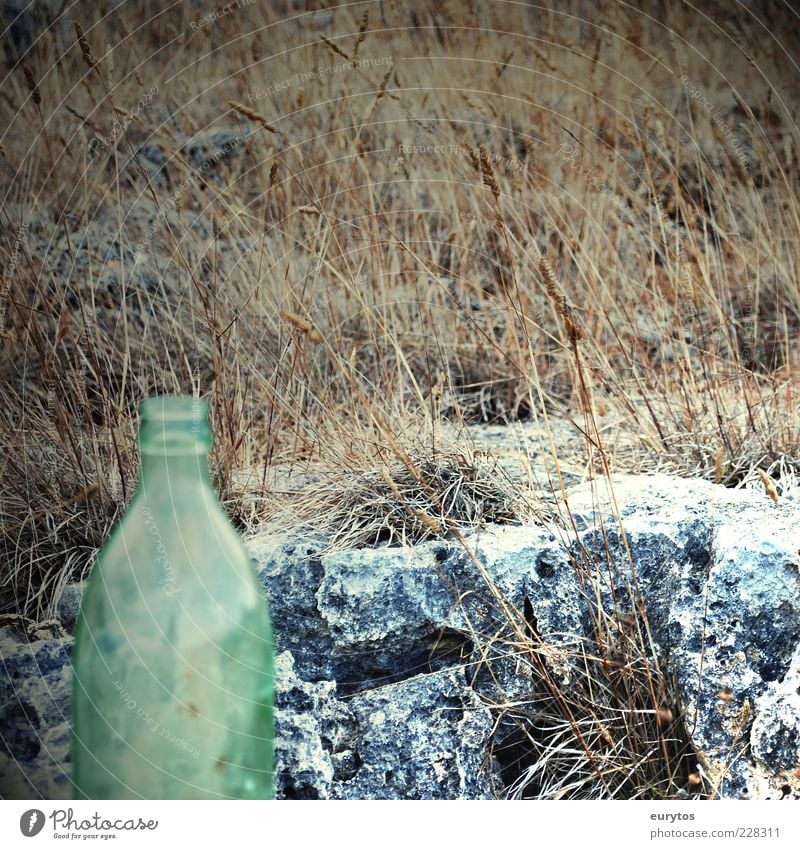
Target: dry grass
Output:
[
  {"x": 410, "y": 500},
  {"x": 504, "y": 213},
  {"x": 614, "y": 732}
]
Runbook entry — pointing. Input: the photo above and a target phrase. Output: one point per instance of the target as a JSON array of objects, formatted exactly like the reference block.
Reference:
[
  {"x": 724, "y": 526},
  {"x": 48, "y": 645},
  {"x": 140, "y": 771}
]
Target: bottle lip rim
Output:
[{"x": 174, "y": 408}]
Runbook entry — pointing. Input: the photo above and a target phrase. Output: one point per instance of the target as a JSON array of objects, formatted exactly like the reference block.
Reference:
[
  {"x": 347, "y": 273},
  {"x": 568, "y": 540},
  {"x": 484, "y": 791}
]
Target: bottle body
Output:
[{"x": 173, "y": 676}]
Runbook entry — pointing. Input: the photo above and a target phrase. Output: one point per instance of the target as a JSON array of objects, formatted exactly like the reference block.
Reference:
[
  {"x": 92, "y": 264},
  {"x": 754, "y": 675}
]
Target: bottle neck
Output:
[
  {"x": 175, "y": 439},
  {"x": 159, "y": 469}
]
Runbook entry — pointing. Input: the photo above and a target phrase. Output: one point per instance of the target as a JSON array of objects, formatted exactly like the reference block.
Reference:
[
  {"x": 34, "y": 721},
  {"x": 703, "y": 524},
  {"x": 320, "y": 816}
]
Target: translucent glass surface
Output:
[{"x": 173, "y": 677}]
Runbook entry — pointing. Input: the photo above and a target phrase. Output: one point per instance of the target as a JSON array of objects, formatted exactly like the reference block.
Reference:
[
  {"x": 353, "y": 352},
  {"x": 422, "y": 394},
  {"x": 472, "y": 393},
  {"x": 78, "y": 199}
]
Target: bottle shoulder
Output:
[{"x": 166, "y": 551}]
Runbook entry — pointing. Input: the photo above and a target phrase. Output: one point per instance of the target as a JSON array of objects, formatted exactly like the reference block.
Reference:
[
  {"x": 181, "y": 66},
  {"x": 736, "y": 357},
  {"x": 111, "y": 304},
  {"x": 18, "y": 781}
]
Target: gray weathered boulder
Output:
[{"x": 411, "y": 672}]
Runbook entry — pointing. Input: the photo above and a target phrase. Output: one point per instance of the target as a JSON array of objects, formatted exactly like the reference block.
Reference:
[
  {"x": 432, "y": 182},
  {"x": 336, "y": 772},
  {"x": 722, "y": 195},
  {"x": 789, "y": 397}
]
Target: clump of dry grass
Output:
[
  {"x": 614, "y": 732},
  {"x": 418, "y": 497}
]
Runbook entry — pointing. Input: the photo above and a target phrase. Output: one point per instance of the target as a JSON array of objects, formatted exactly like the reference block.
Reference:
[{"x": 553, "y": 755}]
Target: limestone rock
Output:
[{"x": 35, "y": 682}]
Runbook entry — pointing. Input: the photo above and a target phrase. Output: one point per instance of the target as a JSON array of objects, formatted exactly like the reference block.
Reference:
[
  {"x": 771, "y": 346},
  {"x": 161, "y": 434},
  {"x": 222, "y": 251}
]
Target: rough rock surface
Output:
[
  {"x": 719, "y": 571},
  {"x": 390, "y": 660},
  {"x": 35, "y": 681}
]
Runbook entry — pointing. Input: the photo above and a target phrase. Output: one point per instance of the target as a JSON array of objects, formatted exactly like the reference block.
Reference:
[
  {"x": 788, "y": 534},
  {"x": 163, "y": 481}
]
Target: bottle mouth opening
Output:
[
  {"x": 174, "y": 408},
  {"x": 174, "y": 424}
]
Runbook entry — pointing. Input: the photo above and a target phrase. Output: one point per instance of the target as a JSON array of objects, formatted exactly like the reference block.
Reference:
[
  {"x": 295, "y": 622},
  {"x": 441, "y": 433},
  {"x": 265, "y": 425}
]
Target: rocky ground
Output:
[{"x": 401, "y": 674}]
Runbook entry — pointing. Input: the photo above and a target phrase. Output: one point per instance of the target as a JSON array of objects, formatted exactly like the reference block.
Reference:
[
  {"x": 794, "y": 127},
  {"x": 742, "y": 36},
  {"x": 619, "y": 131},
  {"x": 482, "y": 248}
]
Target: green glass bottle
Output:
[{"x": 173, "y": 656}]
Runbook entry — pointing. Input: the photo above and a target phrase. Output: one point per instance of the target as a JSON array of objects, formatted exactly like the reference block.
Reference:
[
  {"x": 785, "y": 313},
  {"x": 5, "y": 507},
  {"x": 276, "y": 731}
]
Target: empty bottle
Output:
[{"x": 173, "y": 655}]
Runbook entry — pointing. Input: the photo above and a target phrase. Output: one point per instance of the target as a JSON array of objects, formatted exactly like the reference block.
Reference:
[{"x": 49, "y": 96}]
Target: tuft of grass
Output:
[
  {"x": 615, "y": 731},
  {"x": 418, "y": 497}
]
